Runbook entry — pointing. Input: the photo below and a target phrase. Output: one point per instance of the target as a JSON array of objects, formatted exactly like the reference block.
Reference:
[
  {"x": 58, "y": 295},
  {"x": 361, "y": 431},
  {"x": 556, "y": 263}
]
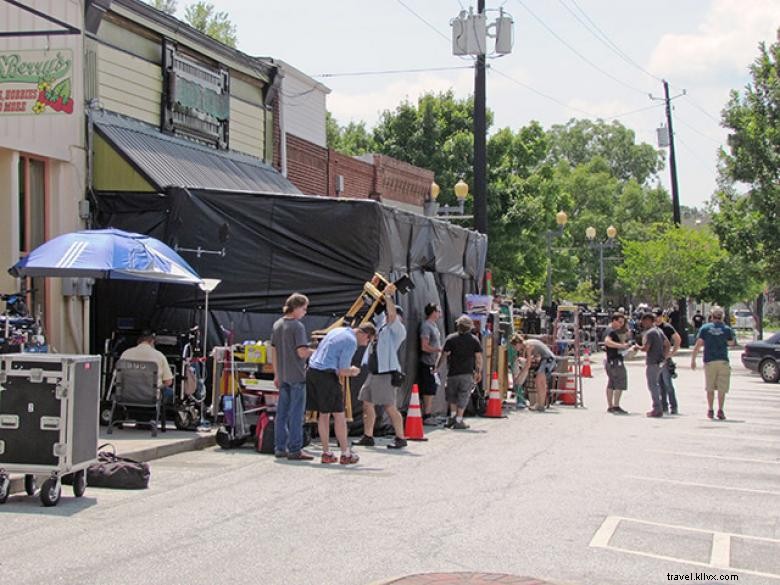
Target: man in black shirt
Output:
[
  {"x": 617, "y": 378},
  {"x": 463, "y": 353},
  {"x": 668, "y": 395},
  {"x": 698, "y": 321}
]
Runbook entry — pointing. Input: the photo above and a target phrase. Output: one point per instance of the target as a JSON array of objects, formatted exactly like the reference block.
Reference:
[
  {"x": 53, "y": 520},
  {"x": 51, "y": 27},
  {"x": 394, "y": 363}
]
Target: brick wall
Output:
[
  {"x": 307, "y": 166},
  {"x": 358, "y": 176},
  {"x": 400, "y": 181},
  {"x": 314, "y": 170}
]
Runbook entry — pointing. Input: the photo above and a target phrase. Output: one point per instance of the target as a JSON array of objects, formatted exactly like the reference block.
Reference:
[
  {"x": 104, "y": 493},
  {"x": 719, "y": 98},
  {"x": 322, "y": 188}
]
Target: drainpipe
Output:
[{"x": 282, "y": 127}]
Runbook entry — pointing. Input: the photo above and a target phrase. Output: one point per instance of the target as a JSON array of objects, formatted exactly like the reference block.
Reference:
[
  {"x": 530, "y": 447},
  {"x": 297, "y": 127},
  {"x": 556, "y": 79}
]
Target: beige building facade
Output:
[{"x": 42, "y": 148}]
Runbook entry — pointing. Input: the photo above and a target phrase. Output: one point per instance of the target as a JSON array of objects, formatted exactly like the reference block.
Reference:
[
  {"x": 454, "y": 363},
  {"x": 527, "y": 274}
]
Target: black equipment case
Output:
[{"x": 48, "y": 420}]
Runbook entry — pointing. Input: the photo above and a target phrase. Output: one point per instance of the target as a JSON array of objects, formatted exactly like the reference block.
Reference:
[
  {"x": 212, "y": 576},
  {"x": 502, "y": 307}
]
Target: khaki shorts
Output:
[{"x": 717, "y": 376}]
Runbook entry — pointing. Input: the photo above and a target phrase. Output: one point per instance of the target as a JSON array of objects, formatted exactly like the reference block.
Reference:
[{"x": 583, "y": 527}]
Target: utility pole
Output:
[
  {"x": 682, "y": 304},
  {"x": 480, "y": 139},
  {"x": 672, "y": 158}
]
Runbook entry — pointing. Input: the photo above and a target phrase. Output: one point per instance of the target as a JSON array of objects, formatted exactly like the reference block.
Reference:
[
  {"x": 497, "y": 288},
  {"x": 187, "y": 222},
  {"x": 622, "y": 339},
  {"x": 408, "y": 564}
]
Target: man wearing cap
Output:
[
  {"x": 382, "y": 356},
  {"x": 463, "y": 353},
  {"x": 656, "y": 347},
  {"x": 146, "y": 352},
  {"x": 715, "y": 337},
  {"x": 668, "y": 395}
]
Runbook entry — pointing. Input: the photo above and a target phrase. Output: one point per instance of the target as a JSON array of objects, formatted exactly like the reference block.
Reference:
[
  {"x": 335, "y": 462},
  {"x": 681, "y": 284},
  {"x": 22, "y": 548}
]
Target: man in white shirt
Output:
[{"x": 145, "y": 352}]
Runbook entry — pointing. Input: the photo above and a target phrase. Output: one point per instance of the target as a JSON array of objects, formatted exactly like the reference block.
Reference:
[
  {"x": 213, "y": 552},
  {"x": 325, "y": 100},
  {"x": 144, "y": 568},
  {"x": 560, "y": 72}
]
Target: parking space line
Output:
[
  {"x": 705, "y": 485},
  {"x": 725, "y": 435},
  {"x": 709, "y": 456},
  {"x": 605, "y": 531},
  {"x": 719, "y": 556}
]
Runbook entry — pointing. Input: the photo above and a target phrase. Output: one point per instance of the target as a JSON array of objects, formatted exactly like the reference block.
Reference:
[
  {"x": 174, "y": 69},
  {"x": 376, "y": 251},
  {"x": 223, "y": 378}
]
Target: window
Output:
[{"x": 33, "y": 199}]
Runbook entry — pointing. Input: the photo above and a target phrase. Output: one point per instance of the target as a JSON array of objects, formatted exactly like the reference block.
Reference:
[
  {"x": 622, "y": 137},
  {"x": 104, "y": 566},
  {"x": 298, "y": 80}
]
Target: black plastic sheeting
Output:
[{"x": 273, "y": 245}]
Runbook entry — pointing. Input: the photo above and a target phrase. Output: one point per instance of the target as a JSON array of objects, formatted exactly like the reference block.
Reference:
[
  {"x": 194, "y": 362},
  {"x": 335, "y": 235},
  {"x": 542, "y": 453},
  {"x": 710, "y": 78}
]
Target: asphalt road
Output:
[{"x": 570, "y": 496}]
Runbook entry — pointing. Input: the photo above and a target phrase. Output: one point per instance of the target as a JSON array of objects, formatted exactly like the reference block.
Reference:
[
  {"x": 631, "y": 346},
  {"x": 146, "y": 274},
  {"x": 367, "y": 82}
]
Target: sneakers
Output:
[
  {"x": 430, "y": 421},
  {"x": 721, "y": 416},
  {"x": 281, "y": 454},
  {"x": 461, "y": 426},
  {"x": 365, "y": 441},
  {"x": 618, "y": 410},
  {"x": 398, "y": 443},
  {"x": 328, "y": 457},
  {"x": 674, "y": 411},
  {"x": 299, "y": 456},
  {"x": 654, "y": 414},
  {"x": 350, "y": 459},
  {"x": 710, "y": 414},
  {"x": 612, "y": 409},
  {"x": 450, "y": 422}
]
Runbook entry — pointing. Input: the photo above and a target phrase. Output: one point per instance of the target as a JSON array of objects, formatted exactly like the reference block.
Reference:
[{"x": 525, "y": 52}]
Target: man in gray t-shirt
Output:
[
  {"x": 290, "y": 350},
  {"x": 430, "y": 348},
  {"x": 656, "y": 346}
]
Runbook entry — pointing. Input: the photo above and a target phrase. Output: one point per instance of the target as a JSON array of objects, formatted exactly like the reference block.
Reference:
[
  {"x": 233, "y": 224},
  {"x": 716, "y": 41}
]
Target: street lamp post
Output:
[
  {"x": 560, "y": 218},
  {"x": 431, "y": 208},
  {"x": 590, "y": 233}
]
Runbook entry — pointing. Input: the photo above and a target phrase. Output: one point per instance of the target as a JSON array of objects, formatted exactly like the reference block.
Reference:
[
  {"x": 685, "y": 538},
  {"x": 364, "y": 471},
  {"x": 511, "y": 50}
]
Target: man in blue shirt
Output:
[
  {"x": 715, "y": 337},
  {"x": 333, "y": 358}
]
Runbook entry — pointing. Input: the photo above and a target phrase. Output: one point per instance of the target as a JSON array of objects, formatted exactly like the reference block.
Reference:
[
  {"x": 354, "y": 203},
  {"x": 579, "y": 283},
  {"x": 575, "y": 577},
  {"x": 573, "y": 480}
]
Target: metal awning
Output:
[{"x": 169, "y": 161}]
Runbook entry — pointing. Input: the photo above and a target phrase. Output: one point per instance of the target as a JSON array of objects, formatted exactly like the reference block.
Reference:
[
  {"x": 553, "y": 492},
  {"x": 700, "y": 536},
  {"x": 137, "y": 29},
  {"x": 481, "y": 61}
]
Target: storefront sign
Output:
[{"x": 36, "y": 82}]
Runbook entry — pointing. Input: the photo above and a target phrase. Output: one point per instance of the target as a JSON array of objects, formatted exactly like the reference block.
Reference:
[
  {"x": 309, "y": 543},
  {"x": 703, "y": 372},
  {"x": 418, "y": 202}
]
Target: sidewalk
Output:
[{"x": 140, "y": 445}]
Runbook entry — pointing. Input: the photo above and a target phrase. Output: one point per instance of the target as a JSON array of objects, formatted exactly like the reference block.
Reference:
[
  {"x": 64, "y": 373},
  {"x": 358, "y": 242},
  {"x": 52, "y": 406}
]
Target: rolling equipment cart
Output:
[{"x": 48, "y": 420}]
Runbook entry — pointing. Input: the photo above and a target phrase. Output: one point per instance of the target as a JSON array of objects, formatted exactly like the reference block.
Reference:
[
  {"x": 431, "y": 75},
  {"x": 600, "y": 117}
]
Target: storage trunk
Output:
[{"x": 48, "y": 413}]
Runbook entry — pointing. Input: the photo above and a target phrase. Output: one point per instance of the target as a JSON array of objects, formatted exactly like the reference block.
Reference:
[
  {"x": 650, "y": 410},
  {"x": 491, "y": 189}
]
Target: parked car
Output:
[
  {"x": 742, "y": 319},
  {"x": 764, "y": 357}
]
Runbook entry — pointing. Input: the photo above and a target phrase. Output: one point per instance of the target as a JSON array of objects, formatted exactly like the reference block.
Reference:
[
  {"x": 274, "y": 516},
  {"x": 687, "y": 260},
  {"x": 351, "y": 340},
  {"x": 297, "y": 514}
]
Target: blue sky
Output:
[{"x": 558, "y": 68}]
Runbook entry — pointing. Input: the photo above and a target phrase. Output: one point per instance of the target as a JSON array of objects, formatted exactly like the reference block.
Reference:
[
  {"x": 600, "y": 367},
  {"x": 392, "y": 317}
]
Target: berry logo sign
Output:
[{"x": 36, "y": 82}]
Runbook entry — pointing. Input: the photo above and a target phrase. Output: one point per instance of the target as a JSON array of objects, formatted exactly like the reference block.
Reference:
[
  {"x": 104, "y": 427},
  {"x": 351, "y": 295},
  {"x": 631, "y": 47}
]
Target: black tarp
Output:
[{"x": 273, "y": 245}]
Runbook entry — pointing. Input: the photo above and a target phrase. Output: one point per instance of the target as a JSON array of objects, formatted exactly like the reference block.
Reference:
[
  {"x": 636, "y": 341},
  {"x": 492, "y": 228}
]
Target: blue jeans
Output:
[
  {"x": 668, "y": 396},
  {"x": 653, "y": 373},
  {"x": 290, "y": 409}
]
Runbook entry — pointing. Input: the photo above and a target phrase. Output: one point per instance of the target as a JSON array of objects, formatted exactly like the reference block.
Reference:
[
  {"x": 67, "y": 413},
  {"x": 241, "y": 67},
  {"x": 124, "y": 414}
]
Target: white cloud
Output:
[
  {"x": 366, "y": 107},
  {"x": 724, "y": 43}
]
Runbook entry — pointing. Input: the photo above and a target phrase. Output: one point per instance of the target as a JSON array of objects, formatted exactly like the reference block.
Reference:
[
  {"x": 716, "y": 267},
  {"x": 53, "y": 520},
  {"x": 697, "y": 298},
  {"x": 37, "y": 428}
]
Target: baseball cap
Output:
[{"x": 658, "y": 311}]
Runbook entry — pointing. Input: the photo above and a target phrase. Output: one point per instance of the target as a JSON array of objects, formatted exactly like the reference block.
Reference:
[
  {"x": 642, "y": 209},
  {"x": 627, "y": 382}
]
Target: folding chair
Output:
[{"x": 135, "y": 386}]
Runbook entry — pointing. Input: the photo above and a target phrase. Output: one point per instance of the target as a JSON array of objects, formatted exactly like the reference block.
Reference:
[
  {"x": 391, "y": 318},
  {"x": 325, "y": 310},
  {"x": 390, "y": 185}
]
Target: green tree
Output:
[
  {"x": 749, "y": 224},
  {"x": 731, "y": 280},
  {"x": 166, "y": 6},
  {"x": 204, "y": 16},
  {"x": 352, "y": 139},
  {"x": 580, "y": 141},
  {"x": 674, "y": 264}
]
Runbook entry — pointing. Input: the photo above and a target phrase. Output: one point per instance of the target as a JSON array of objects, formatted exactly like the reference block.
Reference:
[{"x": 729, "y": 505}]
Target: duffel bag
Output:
[{"x": 120, "y": 473}]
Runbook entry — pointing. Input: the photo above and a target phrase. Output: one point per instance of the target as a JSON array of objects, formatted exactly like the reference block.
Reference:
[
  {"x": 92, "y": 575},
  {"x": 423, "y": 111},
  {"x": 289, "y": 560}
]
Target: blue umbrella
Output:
[{"x": 108, "y": 253}]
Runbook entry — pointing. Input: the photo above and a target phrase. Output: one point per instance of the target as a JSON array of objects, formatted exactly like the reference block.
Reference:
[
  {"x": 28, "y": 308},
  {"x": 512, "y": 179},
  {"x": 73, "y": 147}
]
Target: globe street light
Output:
[
  {"x": 560, "y": 218},
  {"x": 590, "y": 233}
]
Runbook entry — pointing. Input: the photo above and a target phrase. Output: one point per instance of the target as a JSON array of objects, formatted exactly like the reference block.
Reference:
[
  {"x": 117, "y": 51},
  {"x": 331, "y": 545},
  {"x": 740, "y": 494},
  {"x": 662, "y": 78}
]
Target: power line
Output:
[
  {"x": 428, "y": 24},
  {"x": 580, "y": 55},
  {"x": 702, "y": 110},
  {"x": 699, "y": 132},
  {"x": 604, "y": 38},
  {"x": 539, "y": 93},
  {"x": 392, "y": 71}
]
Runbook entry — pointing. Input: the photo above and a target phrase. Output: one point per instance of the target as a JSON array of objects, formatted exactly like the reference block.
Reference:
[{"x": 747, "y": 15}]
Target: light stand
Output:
[{"x": 208, "y": 285}]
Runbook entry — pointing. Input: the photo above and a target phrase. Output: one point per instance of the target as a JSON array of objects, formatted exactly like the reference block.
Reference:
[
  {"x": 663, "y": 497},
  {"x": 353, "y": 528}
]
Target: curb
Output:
[{"x": 148, "y": 454}]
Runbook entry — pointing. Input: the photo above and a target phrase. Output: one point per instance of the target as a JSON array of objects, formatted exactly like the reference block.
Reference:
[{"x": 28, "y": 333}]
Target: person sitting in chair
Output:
[{"x": 146, "y": 352}]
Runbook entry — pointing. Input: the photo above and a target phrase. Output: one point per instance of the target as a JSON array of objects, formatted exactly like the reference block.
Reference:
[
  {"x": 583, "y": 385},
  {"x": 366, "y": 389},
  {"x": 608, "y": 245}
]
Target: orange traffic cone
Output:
[
  {"x": 494, "y": 404},
  {"x": 586, "y": 373},
  {"x": 414, "y": 425},
  {"x": 568, "y": 395}
]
